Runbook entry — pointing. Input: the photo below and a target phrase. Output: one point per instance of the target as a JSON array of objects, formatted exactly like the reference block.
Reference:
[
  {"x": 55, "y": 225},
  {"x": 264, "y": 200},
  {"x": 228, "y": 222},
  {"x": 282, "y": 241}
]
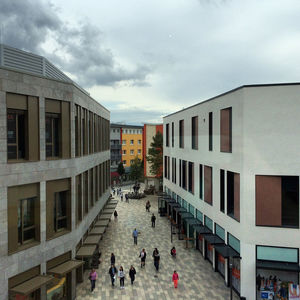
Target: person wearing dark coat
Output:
[
  {"x": 112, "y": 272},
  {"x": 153, "y": 218},
  {"x": 143, "y": 255},
  {"x": 156, "y": 258},
  {"x": 132, "y": 273},
  {"x": 112, "y": 259}
]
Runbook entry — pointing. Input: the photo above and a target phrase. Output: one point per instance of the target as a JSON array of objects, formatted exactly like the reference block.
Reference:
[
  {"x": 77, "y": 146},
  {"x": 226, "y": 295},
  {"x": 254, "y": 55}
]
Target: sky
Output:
[{"x": 143, "y": 59}]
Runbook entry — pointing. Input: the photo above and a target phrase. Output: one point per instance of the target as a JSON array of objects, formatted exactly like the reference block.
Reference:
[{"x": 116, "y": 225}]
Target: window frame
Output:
[{"x": 53, "y": 116}]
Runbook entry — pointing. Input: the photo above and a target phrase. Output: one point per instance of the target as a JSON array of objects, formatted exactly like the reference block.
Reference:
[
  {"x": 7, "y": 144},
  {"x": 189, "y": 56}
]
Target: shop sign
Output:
[
  {"x": 200, "y": 237},
  {"x": 294, "y": 292},
  {"x": 221, "y": 259}
]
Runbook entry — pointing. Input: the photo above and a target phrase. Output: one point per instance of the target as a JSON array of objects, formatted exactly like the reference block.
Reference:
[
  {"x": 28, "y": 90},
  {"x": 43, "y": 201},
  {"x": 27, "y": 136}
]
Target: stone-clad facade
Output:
[{"x": 19, "y": 173}]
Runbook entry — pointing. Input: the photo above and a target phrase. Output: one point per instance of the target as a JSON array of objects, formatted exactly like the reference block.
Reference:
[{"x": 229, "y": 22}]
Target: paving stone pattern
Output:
[{"x": 197, "y": 280}]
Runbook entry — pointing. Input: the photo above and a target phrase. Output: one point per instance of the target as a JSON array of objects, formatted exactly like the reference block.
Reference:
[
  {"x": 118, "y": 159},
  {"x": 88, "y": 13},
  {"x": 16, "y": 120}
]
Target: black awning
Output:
[
  {"x": 174, "y": 204},
  {"x": 180, "y": 209},
  {"x": 203, "y": 230},
  {"x": 193, "y": 221},
  {"x": 170, "y": 200},
  {"x": 213, "y": 239},
  {"x": 276, "y": 265},
  {"x": 226, "y": 251},
  {"x": 186, "y": 215},
  {"x": 197, "y": 226}
]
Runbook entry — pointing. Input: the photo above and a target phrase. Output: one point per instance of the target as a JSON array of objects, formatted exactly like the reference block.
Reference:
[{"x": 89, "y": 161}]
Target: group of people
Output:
[{"x": 114, "y": 273}]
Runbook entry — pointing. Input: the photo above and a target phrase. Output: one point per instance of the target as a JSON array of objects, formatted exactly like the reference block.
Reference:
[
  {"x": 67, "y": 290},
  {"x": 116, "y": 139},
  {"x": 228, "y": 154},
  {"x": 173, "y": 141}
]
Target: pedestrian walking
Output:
[
  {"x": 114, "y": 191},
  {"x": 92, "y": 277},
  {"x": 156, "y": 258},
  {"x": 127, "y": 198},
  {"x": 132, "y": 273},
  {"x": 173, "y": 252},
  {"x": 115, "y": 214},
  {"x": 122, "y": 277},
  {"x": 112, "y": 272},
  {"x": 121, "y": 196},
  {"x": 175, "y": 278},
  {"x": 143, "y": 255},
  {"x": 112, "y": 259},
  {"x": 153, "y": 219},
  {"x": 135, "y": 236},
  {"x": 148, "y": 205}
]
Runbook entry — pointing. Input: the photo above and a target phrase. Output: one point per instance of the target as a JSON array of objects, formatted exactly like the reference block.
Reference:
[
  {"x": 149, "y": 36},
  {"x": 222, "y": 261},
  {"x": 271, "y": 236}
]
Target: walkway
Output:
[{"x": 197, "y": 280}]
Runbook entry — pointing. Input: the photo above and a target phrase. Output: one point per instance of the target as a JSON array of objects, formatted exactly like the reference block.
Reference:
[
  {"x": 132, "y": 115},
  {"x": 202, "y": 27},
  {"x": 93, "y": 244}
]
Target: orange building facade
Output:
[{"x": 132, "y": 144}]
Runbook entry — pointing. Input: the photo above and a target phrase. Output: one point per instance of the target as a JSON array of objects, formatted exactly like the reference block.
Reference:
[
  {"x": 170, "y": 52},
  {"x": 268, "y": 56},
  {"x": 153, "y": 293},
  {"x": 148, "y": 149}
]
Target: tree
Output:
[
  {"x": 121, "y": 169},
  {"x": 136, "y": 170},
  {"x": 155, "y": 155}
]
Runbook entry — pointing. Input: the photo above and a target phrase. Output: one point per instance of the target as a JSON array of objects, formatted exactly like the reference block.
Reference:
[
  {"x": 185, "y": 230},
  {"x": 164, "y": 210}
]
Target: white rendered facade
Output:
[{"x": 265, "y": 141}]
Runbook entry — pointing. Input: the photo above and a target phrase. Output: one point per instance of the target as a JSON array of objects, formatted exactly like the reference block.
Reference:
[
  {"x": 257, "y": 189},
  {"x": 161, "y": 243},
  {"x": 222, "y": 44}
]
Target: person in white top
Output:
[{"x": 121, "y": 275}]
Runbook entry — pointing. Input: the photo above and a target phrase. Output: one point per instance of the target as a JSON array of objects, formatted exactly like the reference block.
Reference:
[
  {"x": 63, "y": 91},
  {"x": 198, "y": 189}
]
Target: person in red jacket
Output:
[{"x": 175, "y": 279}]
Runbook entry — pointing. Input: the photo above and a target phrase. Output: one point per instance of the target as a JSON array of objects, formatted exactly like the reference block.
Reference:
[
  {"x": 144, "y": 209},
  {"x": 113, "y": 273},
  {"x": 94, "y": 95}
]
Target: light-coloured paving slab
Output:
[{"x": 197, "y": 280}]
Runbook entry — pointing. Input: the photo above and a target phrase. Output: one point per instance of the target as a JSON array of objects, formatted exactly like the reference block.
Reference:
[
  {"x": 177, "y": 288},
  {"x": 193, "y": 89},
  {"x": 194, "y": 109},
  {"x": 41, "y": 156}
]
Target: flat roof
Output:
[
  {"x": 126, "y": 126},
  {"x": 234, "y": 90}
]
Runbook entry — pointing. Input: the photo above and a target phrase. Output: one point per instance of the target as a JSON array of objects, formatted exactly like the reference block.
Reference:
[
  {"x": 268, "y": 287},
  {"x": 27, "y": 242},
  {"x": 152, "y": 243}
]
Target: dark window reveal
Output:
[
  {"x": 172, "y": 134},
  {"x": 201, "y": 181},
  {"x": 191, "y": 177},
  {"x": 210, "y": 131},
  {"x": 195, "y": 133},
  {"x": 167, "y": 135},
  {"x": 184, "y": 184},
  {"x": 60, "y": 211},
  {"x": 16, "y": 134},
  {"x": 222, "y": 190},
  {"x": 233, "y": 195},
  {"x": 52, "y": 135},
  {"x": 181, "y": 134}
]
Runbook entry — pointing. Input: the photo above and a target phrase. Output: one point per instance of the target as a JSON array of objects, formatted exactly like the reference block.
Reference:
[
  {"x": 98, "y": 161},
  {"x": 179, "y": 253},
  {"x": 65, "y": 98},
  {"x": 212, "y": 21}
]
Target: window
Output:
[
  {"x": 173, "y": 169},
  {"x": 131, "y": 152},
  {"x": 22, "y": 127},
  {"x": 222, "y": 190},
  {"x": 181, "y": 134},
  {"x": 191, "y": 177},
  {"x": 26, "y": 224},
  {"x": 199, "y": 215},
  {"x": 124, "y": 162},
  {"x": 200, "y": 181},
  {"x": 210, "y": 131},
  {"x": 166, "y": 166},
  {"x": 131, "y": 161},
  {"x": 131, "y": 142},
  {"x": 52, "y": 135},
  {"x": 60, "y": 211},
  {"x": 167, "y": 135},
  {"x": 208, "y": 185},
  {"x": 129, "y": 130},
  {"x": 124, "y": 152},
  {"x": 220, "y": 231},
  {"x": 16, "y": 133},
  {"x": 172, "y": 134},
  {"x": 277, "y": 254},
  {"x": 78, "y": 180},
  {"x": 208, "y": 222},
  {"x": 113, "y": 130},
  {"x": 139, "y": 151},
  {"x": 233, "y": 195},
  {"x": 195, "y": 133},
  {"x": 277, "y": 201},
  {"x": 123, "y": 142},
  {"x": 77, "y": 130},
  {"x": 180, "y": 172},
  {"x": 226, "y": 130},
  {"x": 184, "y": 174},
  {"x": 139, "y": 142},
  {"x": 169, "y": 167},
  {"x": 191, "y": 209},
  {"x": 233, "y": 242}
]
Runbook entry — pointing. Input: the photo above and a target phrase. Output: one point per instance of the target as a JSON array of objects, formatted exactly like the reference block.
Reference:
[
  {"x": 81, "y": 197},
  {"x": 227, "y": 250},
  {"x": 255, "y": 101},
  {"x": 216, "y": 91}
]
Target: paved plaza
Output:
[{"x": 197, "y": 280}]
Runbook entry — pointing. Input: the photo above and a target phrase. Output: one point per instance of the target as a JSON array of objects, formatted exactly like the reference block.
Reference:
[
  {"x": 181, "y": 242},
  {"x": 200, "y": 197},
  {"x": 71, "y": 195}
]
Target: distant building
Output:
[
  {"x": 115, "y": 150},
  {"x": 149, "y": 132}
]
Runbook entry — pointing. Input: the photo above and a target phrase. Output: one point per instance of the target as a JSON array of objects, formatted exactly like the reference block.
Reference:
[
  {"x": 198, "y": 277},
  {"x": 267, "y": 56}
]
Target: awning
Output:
[
  {"x": 31, "y": 285},
  {"x": 110, "y": 206},
  {"x": 66, "y": 267},
  {"x": 86, "y": 251},
  {"x": 275, "y": 265},
  {"x": 102, "y": 223},
  {"x": 213, "y": 239},
  {"x": 170, "y": 200},
  {"x": 203, "y": 230},
  {"x": 97, "y": 230},
  {"x": 93, "y": 239},
  {"x": 114, "y": 202},
  {"x": 174, "y": 204},
  {"x": 180, "y": 209},
  {"x": 193, "y": 221},
  {"x": 105, "y": 216},
  {"x": 108, "y": 210},
  {"x": 186, "y": 215},
  {"x": 226, "y": 251}
]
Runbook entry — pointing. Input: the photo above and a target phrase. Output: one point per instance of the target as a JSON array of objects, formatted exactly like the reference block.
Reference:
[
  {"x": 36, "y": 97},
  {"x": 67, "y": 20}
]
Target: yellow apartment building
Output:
[{"x": 132, "y": 144}]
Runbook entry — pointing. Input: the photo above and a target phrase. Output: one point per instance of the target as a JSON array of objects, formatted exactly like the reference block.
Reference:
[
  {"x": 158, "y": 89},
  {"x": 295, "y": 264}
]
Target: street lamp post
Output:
[{"x": 230, "y": 268}]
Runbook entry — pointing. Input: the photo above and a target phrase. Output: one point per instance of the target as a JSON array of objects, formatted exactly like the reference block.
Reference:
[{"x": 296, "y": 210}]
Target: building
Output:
[
  {"x": 149, "y": 131},
  {"x": 231, "y": 162},
  {"x": 54, "y": 174},
  {"x": 115, "y": 150},
  {"x": 131, "y": 137}
]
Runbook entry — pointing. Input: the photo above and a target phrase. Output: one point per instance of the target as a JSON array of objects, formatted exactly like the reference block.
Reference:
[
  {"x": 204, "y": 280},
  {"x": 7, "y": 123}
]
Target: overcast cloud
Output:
[{"x": 144, "y": 59}]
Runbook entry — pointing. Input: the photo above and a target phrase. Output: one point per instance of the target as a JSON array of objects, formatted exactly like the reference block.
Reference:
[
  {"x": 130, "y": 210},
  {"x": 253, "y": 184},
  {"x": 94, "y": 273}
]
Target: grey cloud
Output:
[{"x": 28, "y": 24}]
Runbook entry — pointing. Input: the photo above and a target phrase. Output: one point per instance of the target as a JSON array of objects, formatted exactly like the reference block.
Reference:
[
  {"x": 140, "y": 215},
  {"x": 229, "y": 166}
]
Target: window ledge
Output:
[
  {"x": 58, "y": 234},
  {"x": 24, "y": 247}
]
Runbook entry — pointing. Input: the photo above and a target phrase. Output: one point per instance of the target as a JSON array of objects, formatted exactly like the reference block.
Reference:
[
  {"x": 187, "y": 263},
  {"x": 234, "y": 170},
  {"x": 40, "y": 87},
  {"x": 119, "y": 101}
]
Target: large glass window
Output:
[
  {"x": 16, "y": 134},
  {"x": 220, "y": 231},
  {"x": 234, "y": 242},
  {"x": 222, "y": 190},
  {"x": 172, "y": 134},
  {"x": 277, "y": 254},
  {"x": 195, "y": 133},
  {"x": 167, "y": 135},
  {"x": 52, "y": 135},
  {"x": 181, "y": 134},
  {"x": 210, "y": 131},
  {"x": 208, "y": 223},
  {"x": 199, "y": 215},
  {"x": 26, "y": 224},
  {"x": 60, "y": 211},
  {"x": 184, "y": 177},
  {"x": 191, "y": 177}
]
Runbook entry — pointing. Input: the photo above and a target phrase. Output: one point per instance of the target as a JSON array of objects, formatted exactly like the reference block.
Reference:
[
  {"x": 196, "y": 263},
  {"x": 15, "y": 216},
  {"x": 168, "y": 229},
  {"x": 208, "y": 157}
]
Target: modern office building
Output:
[
  {"x": 54, "y": 175},
  {"x": 232, "y": 165},
  {"x": 115, "y": 149},
  {"x": 149, "y": 131},
  {"x": 131, "y": 137}
]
